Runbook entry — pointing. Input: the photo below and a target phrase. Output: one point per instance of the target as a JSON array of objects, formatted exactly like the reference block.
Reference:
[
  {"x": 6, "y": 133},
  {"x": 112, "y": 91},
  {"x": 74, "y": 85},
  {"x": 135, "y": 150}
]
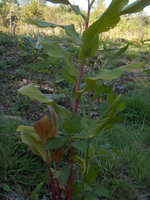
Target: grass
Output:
[
  {"x": 19, "y": 168},
  {"x": 125, "y": 173}
]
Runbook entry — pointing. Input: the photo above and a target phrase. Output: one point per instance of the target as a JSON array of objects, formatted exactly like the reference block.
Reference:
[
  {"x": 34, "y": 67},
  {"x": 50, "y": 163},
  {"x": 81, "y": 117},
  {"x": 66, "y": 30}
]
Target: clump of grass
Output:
[
  {"x": 138, "y": 106},
  {"x": 18, "y": 167},
  {"x": 125, "y": 172}
]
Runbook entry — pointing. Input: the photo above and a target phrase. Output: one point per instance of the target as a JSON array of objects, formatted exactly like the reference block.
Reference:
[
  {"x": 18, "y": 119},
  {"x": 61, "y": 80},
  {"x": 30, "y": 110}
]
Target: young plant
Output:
[{"x": 64, "y": 140}]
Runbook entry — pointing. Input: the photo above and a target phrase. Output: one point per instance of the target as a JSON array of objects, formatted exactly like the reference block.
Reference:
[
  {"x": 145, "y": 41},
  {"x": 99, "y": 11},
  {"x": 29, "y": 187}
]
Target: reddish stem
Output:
[
  {"x": 52, "y": 188},
  {"x": 58, "y": 184},
  {"x": 75, "y": 110},
  {"x": 69, "y": 192},
  {"x": 78, "y": 82},
  {"x": 88, "y": 15}
]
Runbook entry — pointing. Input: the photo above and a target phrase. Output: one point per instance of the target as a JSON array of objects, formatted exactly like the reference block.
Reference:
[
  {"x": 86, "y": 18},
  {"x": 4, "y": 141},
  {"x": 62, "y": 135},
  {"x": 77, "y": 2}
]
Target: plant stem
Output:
[
  {"x": 75, "y": 110},
  {"x": 87, "y": 160},
  {"x": 69, "y": 192},
  {"x": 58, "y": 184},
  {"x": 52, "y": 188},
  {"x": 78, "y": 82}
]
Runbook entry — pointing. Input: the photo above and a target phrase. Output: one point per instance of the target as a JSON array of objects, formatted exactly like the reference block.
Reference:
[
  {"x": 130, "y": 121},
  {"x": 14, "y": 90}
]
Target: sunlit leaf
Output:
[
  {"x": 30, "y": 138},
  {"x": 136, "y": 6},
  {"x": 34, "y": 93},
  {"x": 110, "y": 75},
  {"x": 46, "y": 128},
  {"x": 106, "y": 21},
  {"x": 69, "y": 29}
]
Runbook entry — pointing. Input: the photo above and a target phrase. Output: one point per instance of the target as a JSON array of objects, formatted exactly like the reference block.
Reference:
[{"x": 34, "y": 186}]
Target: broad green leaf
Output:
[
  {"x": 54, "y": 50},
  {"x": 69, "y": 29},
  {"x": 92, "y": 85},
  {"x": 72, "y": 125},
  {"x": 89, "y": 196},
  {"x": 71, "y": 32},
  {"x": 30, "y": 138},
  {"x": 33, "y": 93},
  {"x": 101, "y": 191},
  {"x": 34, "y": 194},
  {"x": 55, "y": 142},
  {"x": 63, "y": 174},
  {"x": 107, "y": 21},
  {"x": 120, "y": 52},
  {"x": 110, "y": 75},
  {"x": 107, "y": 120},
  {"x": 80, "y": 145},
  {"x": 91, "y": 175},
  {"x": 61, "y": 111},
  {"x": 59, "y": 1},
  {"x": 136, "y": 6}
]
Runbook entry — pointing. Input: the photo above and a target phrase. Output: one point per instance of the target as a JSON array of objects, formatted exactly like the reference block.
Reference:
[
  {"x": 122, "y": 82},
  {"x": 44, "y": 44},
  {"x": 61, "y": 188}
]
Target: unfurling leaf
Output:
[
  {"x": 57, "y": 155},
  {"x": 45, "y": 128}
]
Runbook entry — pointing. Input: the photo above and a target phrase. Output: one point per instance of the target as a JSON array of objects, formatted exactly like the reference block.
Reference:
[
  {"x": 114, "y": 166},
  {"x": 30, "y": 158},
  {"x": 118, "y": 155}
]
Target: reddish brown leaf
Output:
[
  {"x": 57, "y": 155},
  {"x": 45, "y": 128}
]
